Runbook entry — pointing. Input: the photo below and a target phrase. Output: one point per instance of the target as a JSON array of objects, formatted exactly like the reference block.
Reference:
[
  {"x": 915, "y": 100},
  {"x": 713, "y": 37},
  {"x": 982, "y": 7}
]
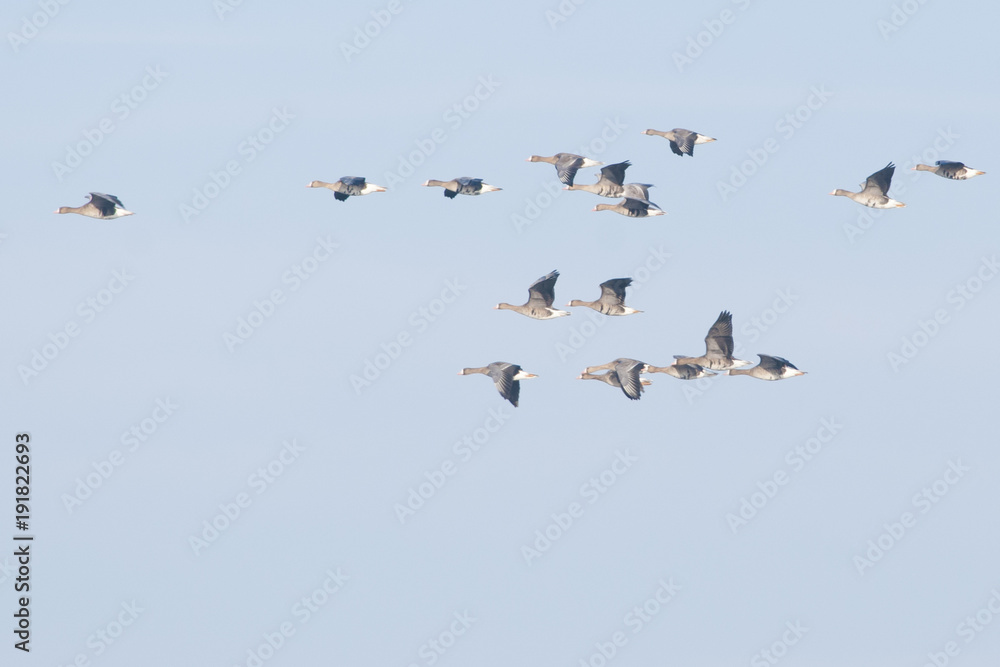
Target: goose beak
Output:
[
  {"x": 426, "y": 183},
  {"x": 593, "y": 209},
  {"x": 831, "y": 193},
  {"x": 579, "y": 377}
]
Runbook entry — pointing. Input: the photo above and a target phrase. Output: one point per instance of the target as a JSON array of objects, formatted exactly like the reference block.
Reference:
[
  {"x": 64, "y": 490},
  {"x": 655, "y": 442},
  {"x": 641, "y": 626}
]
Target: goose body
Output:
[
  {"x": 462, "y": 186},
  {"x": 948, "y": 169},
  {"x": 874, "y": 191},
  {"x": 718, "y": 347},
  {"x": 632, "y": 208},
  {"x": 507, "y": 378},
  {"x": 567, "y": 164},
  {"x": 681, "y": 371},
  {"x": 611, "y": 182},
  {"x": 100, "y": 206},
  {"x": 348, "y": 186},
  {"x": 612, "y": 301},
  {"x": 682, "y": 142},
  {"x": 611, "y": 378},
  {"x": 623, "y": 372},
  {"x": 769, "y": 368},
  {"x": 541, "y": 295}
]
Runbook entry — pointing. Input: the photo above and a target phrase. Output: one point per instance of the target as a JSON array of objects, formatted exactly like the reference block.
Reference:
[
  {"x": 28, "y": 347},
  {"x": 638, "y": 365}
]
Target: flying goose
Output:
[
  {"x": 623, "y": 373},
  {"x": 949, "y": 169},
  {"x": 610, "y": 183},
  {"x": 567, "y": 164},
  {"x": 462, "y": 186},
  {"x": 682, "y": 142},
  {"x": 681, "y": 371},
  {"x": 769, "y": 368},
  {"x": 718, "y": 347},
  {"x": 348, "y": 186},
  {"x": 541, "y": 294},
  {"x": 611, "y": 378},
  {"x": 612, "y": 301},
  {"x": 632, "y": 208},
  {"x": 102, "y": 207},
  {"x": 874, "y": 189},
  {"x": 505, "y": 376}
]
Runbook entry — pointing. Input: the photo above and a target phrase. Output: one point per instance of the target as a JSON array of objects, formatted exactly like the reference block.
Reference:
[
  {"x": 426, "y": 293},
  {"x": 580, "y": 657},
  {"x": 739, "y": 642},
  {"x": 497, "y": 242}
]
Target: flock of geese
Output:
[{"x": 623, "y": 373}]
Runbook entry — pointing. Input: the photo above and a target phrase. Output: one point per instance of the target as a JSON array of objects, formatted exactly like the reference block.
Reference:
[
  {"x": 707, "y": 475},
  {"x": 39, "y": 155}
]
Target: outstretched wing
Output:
[
  {"x": 542, "y": 292},
  {"x": 719, "y": 341},
  {"x": 613, "y": 291},
  {"x": 616, "y": 172},
  {"x": 881, "y": 179}
]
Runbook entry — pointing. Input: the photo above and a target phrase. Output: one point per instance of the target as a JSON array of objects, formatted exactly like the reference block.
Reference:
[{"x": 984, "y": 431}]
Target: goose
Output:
[
  {"x": 949, "y": 169},
  {"x": 567, "y": 164},
  {"x": 769, "y": 368},
  {"x": 612, "y": 379},
  {"x": 348, "y": 186},
  {"x": 623, "y": 373},
  {"x": 541, "y": 294},
  {"x": 102, "y": 207},
  {"x": 507, "y": 378},
  {"x": 609, "y": 184},
  {"x": 612, "y": 301},
  {"x": 681, "y": 371},
  {"x": 874, "y": 189},
  {"x": 682, "y": 142},
  {"x": 462, "y": 186},
  {"x": 718, "y": 347},
  {"x": 632, "y": 208}
]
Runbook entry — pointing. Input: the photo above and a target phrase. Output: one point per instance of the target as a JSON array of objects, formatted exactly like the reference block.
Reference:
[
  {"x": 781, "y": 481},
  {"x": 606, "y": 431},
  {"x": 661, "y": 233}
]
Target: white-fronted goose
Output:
[
  {"x": 874, "y": 189},
  {"x": 100, "y": 206},
  {"x": 609, "y": 184},
  {"x": 632, "y": 208},
  {"x": 681, "y": 371},
  {"x": 505, "y": 376},
  {"x": 612, "y": 301},
  {"x": 567, "y": 164},
  {"x": 462, "y": 186},
  {"x": 682, "y": 142},
  {"x": 541, "y": 294},
  {"x": 949, "y": 169},
  {"x": 718, "y": 347},
  {"x": 348, "y": 186},
  {"x": 624, "y": 372},
  {"x": 611, "y": 378},
  {"x": 769, "y": 368}
]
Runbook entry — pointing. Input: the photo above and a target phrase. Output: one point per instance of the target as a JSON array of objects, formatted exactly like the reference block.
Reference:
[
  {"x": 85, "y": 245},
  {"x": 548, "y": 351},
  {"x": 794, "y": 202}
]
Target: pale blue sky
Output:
[{"x": 197, "y": 88}]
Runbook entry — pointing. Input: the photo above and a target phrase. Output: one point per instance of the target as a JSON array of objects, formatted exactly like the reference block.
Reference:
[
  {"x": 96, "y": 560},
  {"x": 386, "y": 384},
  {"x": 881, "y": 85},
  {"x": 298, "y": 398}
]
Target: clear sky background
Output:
[{"x": 802, "y": 97}]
